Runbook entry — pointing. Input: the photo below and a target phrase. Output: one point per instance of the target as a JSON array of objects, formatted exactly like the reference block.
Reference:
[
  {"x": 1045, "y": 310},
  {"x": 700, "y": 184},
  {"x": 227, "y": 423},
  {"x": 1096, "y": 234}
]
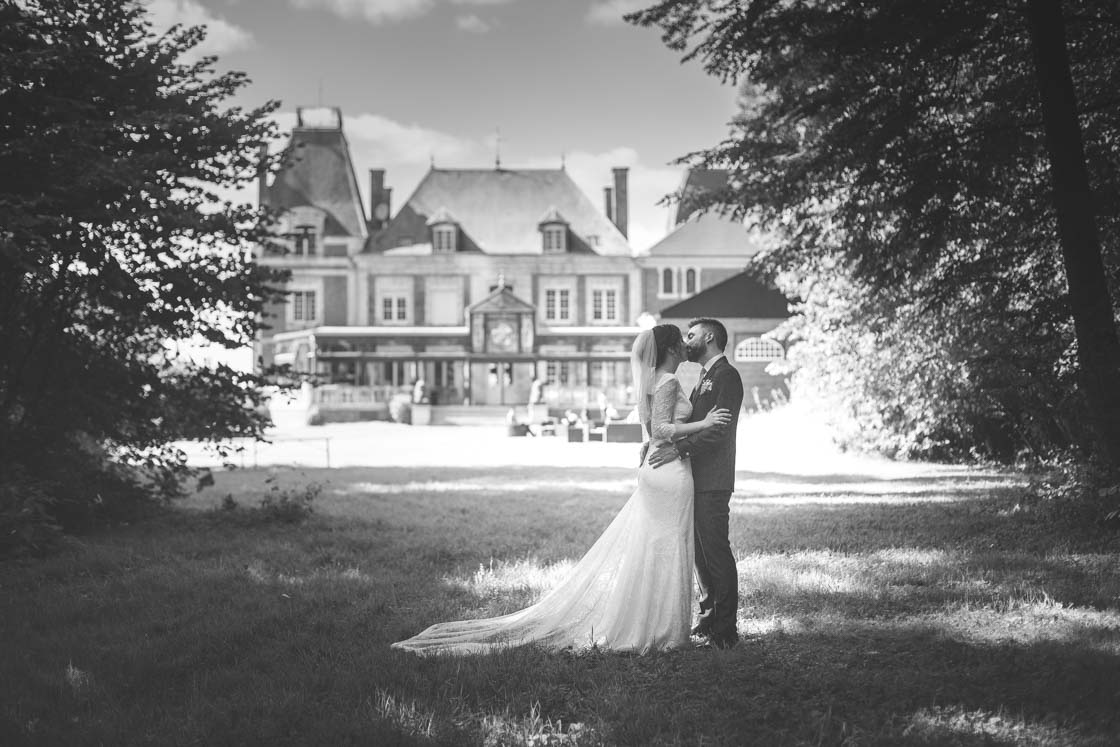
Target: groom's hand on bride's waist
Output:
[{"x": 663, "y": 455}]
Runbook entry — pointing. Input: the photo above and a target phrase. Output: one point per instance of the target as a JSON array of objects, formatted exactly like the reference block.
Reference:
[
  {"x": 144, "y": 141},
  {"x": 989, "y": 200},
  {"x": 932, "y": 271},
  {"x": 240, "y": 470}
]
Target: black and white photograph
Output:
[{"x": 560, "y": 373}]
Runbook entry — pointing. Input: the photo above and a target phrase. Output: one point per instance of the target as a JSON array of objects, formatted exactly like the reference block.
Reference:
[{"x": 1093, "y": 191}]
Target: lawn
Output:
[{"x": 883, "y": 604}]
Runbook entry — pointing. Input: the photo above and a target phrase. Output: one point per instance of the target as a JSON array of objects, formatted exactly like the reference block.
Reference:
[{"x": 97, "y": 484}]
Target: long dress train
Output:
[{"x": 632, "y": 591}]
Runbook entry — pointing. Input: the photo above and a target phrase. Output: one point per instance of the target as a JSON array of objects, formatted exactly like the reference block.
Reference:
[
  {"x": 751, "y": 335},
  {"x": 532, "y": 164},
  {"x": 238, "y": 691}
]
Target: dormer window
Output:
[
  {"x": 443, "y": 238},
  {"x": 553, "y": 239},
  {"x": 304, "y": 241},
  {"x": 445, "y": 232},
  {"x": 554, "y": 232}
]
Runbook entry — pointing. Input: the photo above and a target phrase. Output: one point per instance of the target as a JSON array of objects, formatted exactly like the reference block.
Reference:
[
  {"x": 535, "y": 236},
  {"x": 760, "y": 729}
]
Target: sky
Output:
[{"x": 458, "y": 82}]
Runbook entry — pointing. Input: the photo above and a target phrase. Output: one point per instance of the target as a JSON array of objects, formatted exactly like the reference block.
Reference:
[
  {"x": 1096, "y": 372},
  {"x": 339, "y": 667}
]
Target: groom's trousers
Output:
[{"x": 715, "y": 564}]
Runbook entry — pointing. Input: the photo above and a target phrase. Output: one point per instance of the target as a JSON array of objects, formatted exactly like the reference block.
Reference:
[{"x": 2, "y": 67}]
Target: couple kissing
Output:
[{"x": 632, "y": 591}]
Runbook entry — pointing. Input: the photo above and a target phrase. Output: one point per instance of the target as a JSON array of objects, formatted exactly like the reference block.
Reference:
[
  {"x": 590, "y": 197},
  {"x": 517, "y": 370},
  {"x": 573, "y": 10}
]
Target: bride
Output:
[{"x": 632, "y": 590}]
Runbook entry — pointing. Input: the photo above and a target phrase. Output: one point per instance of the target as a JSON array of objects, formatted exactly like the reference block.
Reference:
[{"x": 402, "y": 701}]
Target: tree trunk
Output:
[{"x": 1098, "y": 347}]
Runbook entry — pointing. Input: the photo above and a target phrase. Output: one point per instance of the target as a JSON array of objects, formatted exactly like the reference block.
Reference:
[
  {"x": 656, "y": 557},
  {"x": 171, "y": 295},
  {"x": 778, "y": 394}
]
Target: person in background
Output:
[{"x": 536, "y": 397}]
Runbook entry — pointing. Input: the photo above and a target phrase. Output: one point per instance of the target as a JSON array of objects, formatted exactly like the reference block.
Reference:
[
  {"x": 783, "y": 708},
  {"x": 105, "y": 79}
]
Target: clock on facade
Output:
[{"x": 503, "y": 336}]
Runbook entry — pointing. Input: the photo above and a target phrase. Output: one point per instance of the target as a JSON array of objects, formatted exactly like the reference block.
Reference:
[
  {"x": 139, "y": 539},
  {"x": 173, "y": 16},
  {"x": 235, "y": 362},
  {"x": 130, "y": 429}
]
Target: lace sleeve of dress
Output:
[{"x": 664, "y": 407}]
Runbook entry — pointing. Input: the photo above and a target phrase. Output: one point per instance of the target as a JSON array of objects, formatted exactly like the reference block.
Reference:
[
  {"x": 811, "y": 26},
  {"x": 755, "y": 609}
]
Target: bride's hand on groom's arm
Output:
[{"x": 721, "y": 416}]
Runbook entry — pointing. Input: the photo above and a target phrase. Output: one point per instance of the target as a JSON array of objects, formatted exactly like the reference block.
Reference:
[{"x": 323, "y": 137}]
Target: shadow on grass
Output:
[
  {"x": 940, "y": 479},
  {"x": 875, "y": 622},
  {"x": 871, "y": 684}
]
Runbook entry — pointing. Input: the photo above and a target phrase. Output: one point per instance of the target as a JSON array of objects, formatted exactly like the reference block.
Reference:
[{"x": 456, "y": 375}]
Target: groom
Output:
[{"x": 713, "y": 472}]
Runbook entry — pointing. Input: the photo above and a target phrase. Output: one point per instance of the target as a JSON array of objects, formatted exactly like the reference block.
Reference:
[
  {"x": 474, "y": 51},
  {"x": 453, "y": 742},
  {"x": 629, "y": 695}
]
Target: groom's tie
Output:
[{"x": 699, "y": 383}]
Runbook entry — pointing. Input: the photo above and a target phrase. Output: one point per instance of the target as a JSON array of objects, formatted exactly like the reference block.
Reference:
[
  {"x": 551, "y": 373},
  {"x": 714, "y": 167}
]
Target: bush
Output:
[
  {"x": 66, "y": 486},
  {"x": 289, "y": 505},
  {"x": 26, "y": 523},
  {"x": 1083, "y": 492},
  {"x": 279, "y": 505}
]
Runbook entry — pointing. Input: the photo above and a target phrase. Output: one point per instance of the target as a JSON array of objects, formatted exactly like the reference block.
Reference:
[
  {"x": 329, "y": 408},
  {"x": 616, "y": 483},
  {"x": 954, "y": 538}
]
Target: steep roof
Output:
[
  {"x": 741, "y": 296},
  {"x": 706, "y": 235},
  {"x": 499, "y": 212},
  {"x": 321, "y": 174},
  {"x": 696, "y": 185}
]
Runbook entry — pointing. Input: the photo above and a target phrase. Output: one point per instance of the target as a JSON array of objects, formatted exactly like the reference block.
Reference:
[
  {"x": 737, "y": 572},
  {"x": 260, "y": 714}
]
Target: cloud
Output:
[
  {"x": 472, "y": 24},
  {"x": 395, "y": 143},
  {"x": 610, "y": 12},
  {"x": 378, "y": 12},
  {"x": 373, "y": 11},
  {"x": 221, "y": 35}
]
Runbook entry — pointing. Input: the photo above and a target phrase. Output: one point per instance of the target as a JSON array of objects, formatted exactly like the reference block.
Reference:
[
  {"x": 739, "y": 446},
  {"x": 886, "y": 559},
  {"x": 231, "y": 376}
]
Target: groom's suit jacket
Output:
[{"x": 713, "y": 449}]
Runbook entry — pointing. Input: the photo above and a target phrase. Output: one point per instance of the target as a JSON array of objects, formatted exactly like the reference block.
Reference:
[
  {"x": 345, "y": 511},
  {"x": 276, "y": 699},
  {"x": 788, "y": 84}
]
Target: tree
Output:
[
  {"x": 916, "y": 143},
  {"x": 114, "y": 245},
  {"x": 896, "y": 379},
  {"x": 1093, "y": 314}
]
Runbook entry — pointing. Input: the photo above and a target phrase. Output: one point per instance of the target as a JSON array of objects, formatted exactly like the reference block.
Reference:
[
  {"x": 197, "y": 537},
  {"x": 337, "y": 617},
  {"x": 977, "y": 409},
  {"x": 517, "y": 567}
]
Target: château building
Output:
[{"x": 481, "y": 282}]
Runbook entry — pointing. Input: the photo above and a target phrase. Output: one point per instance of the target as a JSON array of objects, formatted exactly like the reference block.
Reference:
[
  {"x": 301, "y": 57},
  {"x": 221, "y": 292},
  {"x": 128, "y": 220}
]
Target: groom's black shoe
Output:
[
  {"x": 715, "y": 642},
  {"x": 702, "y": 630}
]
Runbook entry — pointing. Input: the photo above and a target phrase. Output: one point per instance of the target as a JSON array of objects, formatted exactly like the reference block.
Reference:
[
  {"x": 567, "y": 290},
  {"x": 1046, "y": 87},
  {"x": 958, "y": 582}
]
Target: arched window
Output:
[
  {"x": 667, "y": 281},
  {"x": 758, "y": 349},
  {"x": 690, "y": 281}
]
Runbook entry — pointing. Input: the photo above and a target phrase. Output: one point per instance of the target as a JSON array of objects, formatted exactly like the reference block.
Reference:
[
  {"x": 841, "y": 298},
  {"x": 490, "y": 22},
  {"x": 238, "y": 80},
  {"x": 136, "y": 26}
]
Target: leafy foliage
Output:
[
  {"x": 114, "y": 245},
  {"x": 25, "y": 516},
  {"x": 908, "y": 383},
  {"x": 901, "y": 152},
  {"x": 290, "y": 505}
]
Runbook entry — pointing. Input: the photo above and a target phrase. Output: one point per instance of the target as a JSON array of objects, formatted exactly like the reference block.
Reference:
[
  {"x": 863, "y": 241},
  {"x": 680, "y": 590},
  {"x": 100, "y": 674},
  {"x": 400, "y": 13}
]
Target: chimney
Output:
[
  {"x": 262, "y": 174},
  {"x": 379, "y": 205},
  {"x": 608, "y": 199},
  {"x": 621, "y": 210},
  {"x": 376, "y": 182}
]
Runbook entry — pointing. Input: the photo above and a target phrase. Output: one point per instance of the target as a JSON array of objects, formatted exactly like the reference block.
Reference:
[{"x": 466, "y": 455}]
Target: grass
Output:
[{"x": 917, "y": 610}]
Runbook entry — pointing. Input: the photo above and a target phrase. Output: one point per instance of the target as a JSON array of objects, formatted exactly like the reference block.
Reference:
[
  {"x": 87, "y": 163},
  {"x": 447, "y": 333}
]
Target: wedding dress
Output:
[{"x": 632, "y": 591}]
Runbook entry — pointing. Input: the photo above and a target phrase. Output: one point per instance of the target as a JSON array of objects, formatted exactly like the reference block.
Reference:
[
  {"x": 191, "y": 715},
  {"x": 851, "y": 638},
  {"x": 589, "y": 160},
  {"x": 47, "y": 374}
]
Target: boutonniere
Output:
[{"x": 706, "y": 386}]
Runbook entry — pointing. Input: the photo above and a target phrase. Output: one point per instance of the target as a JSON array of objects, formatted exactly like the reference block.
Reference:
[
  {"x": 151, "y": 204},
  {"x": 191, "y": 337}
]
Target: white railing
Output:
[
  {"x": 576, "y": 397},
  {"x": 349, "y": 395}
]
